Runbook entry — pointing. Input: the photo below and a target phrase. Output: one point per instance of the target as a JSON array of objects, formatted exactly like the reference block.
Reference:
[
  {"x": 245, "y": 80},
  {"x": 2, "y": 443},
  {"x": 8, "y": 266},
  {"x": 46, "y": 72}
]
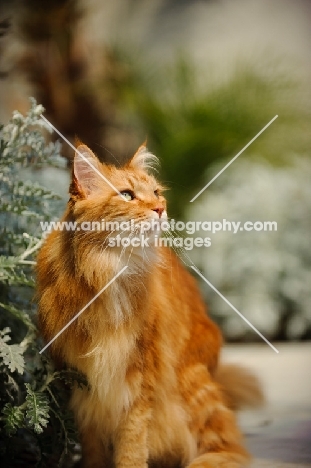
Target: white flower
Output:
[{"x": 266, "y": 274}]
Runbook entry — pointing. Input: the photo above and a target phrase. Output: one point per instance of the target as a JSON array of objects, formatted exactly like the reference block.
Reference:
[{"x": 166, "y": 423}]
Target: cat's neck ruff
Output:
[
  {"x": 139, "y": 261},
  {"x": 130, "y": 288}
]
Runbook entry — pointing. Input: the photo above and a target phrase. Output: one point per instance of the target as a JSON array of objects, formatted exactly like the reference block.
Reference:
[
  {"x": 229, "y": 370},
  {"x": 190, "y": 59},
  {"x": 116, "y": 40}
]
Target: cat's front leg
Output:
[
  {"x": 130, "y": 444},
  {"x": 95, "y": 454}
]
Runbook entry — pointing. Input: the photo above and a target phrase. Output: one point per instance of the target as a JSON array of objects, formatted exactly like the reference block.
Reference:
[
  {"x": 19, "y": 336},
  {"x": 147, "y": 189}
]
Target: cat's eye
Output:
[
  {"x": 156, "y": 192},
  {"x": 128, "y": 195}
]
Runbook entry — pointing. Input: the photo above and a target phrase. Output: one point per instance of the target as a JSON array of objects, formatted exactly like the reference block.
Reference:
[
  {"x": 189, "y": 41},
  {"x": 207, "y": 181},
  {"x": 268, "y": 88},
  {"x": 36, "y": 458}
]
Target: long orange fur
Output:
[{"x": 146, "y": 345}]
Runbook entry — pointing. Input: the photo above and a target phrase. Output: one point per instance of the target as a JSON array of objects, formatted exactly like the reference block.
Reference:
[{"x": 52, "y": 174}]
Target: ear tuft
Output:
[
  {"x": 86, "y": 169},
  {"x": 143, "y": 159}
]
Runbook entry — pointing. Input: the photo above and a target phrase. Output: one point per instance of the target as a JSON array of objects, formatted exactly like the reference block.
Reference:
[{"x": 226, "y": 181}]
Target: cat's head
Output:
[{"x": 102, "y": 194}]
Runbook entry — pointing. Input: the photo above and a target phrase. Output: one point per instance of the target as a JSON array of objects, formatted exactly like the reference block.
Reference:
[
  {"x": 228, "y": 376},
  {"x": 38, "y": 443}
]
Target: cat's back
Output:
[{"x": 183, "y": 313}]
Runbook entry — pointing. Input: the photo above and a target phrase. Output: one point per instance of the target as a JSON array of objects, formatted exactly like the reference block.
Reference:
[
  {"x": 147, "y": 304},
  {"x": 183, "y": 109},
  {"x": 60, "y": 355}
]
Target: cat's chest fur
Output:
[
  {"x": 114, "y": 327},
  {"x": 106, "y": 366}
]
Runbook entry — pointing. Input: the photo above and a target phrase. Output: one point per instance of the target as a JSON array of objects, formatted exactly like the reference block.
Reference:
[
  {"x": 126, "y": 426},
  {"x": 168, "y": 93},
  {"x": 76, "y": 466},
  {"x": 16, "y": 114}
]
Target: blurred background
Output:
[{"x": 198, "y": 79}]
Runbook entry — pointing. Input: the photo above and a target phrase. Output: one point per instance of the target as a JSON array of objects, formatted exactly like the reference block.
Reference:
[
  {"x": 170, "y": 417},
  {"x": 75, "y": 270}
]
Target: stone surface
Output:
[{"x": 278, "y": 435}]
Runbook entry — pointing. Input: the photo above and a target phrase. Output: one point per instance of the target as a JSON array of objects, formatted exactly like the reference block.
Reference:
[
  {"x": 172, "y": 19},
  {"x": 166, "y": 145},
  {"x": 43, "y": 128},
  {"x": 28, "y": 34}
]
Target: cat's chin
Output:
[{"x": 141, "y": 253}]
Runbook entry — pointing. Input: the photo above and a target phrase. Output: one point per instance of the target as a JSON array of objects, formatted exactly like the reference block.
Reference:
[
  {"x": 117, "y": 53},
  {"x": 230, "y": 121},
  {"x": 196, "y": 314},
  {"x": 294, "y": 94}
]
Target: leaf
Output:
[
  {"x": 71, "y": 376},
  {"x": 18, "y": 208},
  {"x": 12, "y": 355},
  {"x": 37, "y": 409},
  {"x": 13, "y": 418},
  {"x": 19, "y": 314},
  {"x": 4, "y": 334},
  {"x": 8, "y": 261},
  {"x": 13, "y": 273}
]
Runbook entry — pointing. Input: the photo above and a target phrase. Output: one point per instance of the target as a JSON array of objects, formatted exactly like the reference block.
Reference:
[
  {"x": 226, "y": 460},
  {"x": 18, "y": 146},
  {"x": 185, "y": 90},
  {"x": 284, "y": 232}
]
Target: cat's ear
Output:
[
  {"x": 86, "y": 171},
  {"x": 143, "y": 159}
]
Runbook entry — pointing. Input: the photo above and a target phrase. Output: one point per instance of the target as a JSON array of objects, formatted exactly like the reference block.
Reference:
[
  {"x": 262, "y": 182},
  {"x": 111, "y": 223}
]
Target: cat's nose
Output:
[{"x": 159, "y": 210}]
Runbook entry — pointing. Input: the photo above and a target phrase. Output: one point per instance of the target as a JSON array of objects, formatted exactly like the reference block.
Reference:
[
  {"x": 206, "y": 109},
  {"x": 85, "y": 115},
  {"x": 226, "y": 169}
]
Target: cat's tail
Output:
[{"x": 240, "y": 387}]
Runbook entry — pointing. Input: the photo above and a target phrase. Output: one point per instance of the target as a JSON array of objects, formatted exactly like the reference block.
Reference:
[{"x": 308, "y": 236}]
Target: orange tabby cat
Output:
[{"x": 146, "y": 345}]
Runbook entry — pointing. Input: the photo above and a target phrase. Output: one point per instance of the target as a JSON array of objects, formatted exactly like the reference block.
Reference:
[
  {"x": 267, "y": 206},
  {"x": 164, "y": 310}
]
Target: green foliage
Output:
[
  {"x": 13, "y": 417},
  {"x": 36, "y": 428},
  {"x": 11, "y": 354},
  {"x": 37, "y": 409},
  {"x": 192, "y": 119}
]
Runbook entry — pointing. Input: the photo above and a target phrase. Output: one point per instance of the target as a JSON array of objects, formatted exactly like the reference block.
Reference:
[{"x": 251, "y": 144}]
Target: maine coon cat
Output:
[{"x": 157, "y": 396}]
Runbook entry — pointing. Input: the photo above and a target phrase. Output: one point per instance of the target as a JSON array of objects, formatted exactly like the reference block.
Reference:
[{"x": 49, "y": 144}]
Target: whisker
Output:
[
  {"x": 104, "y": 247},
  {"x": 128, "y": 260},
  {"x": 125, "y": 246},
  {"x": 180, "y": 251}
]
